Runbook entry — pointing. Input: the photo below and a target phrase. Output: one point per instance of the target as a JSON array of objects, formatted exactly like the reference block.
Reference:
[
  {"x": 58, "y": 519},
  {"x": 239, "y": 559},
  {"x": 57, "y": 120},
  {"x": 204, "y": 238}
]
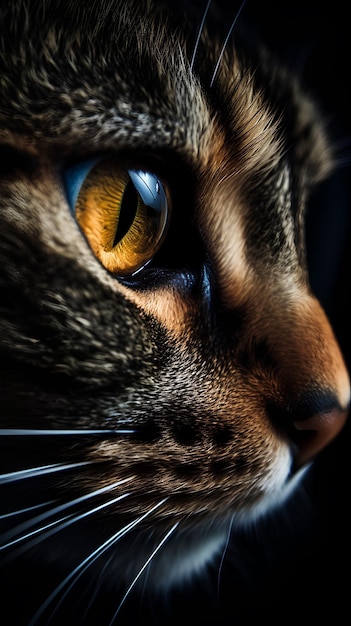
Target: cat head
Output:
[{"x": 186, "y": 350}]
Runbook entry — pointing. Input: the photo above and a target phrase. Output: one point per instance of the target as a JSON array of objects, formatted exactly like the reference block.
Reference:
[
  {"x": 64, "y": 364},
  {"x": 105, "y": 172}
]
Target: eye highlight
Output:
[{"x": 123, "y": 213}]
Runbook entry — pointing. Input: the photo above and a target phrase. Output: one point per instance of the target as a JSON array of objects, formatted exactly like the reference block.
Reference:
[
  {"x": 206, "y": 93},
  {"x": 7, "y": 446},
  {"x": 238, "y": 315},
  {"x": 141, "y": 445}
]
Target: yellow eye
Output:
[{"x": 123, "y": 213}]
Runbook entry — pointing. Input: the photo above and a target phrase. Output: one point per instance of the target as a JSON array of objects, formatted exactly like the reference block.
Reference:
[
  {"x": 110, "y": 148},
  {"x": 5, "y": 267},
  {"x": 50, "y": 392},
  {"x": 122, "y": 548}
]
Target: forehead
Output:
[
  {"x": 123, "y": 67},
  {"x": 134, "y": 64},
  {"x": 110, "y": 79},
  {"x": 75, "y": 82}
]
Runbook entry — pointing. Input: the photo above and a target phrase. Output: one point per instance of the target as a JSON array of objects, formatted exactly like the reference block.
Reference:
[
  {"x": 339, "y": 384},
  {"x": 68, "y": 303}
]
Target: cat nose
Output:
[
  {"x": 317, "y": 420},
  {"x": 313, "y": 378}
]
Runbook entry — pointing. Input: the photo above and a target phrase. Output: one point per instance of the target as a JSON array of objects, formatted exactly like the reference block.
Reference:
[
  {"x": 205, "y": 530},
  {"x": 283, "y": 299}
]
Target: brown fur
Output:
[{"x": 219, "y": 362}]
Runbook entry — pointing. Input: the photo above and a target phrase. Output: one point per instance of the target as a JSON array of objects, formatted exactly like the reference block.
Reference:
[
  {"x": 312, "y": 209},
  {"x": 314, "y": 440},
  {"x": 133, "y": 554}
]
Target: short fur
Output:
[{"x": 204, "y": 368}]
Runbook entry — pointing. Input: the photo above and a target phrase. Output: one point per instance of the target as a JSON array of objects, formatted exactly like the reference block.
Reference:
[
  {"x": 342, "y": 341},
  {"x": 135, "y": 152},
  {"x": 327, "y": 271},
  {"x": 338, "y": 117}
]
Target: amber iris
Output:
[{"x": 123, "y": 214}]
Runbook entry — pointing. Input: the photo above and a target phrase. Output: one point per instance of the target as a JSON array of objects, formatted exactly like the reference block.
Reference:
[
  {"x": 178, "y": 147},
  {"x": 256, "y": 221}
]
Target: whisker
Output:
[
  {"x": 62, "y": 523},
  {"x": 95, "y": 592},
  {"x": 78, "y": 571},
  {"x": 54, "y": 527},
  {"x": 58, "y": 509},
  {"x": 226, "y": 42},
  {"x": 32, "y": 534},
  {"x": 224, "y": 553},
  {"x": 342, "y": 143},
  {"x": 199, "y": 34},
  {"x": 32, "y": 432},
  {"x": 40, "y": 471},
  {"x": 142, "y": 569},
  {"x": 26, "y": 510},
  {"x": 343, "y": 161}
]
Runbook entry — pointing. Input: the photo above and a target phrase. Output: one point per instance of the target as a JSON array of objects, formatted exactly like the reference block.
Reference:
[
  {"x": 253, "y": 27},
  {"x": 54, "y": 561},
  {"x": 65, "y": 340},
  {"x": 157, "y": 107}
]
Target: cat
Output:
[{"x": 167, "y": 375}]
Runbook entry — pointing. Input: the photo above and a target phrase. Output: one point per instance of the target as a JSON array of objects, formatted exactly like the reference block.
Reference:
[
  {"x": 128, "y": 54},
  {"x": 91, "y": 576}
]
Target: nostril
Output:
[
  {"x": 312, "y": 422},
  {"x": 316, "y": 432},
  {"x": 317, "y": 419}
]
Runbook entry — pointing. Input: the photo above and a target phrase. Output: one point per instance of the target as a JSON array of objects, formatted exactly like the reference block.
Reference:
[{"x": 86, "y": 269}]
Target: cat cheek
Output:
[{"x": 167, "y": 305}]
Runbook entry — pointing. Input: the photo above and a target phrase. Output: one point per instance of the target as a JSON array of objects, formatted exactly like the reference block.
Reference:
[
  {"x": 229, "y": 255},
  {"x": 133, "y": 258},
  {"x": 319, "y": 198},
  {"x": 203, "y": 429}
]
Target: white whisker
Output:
[
  {"x": 40, "y": 471},
  {"x": 33, "y": 432},
  {"x": 27, "y": 509},
  {"x": 224, "y": 552},
  {"x": 32, "y": 534},
  {"x": 199, "y": 35},
  {"x": 343, "y": 161},
  {"x": 97, "y": 584},
  {"x": 226, "y": 42},
  {"x": 104, "y": 505},
  {"x": 142, "y": 569},
  {"x": 58, "y": 509},
  {"x": 87, "y": 562},
  {"x": 58, "y": 525}
]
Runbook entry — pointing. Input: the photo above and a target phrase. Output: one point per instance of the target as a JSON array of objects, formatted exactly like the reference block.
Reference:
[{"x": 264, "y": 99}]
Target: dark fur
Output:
[{"x": 210, "y": 356}]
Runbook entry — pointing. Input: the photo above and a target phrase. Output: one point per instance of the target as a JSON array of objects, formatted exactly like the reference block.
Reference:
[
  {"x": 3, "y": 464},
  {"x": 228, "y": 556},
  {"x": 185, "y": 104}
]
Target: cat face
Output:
[{"x": 162, "y": 353}]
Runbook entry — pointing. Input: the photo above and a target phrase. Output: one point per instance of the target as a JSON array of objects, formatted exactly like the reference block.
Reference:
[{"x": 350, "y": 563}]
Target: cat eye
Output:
[{"x": 123, "y": 213}]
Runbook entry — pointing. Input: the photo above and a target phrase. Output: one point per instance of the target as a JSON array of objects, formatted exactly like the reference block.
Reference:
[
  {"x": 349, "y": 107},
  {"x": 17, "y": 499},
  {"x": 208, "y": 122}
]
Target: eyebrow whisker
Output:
[
  {"x": 199, "y": 34},
  {"x": 226, "y": 42}
]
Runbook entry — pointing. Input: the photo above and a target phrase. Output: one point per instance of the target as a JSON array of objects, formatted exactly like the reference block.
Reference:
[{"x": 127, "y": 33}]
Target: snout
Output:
[{"x": 314, "y": 379}]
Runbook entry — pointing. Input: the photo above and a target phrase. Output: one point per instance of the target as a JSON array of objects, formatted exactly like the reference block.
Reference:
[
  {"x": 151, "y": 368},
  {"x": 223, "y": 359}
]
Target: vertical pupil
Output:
[{"x": 127, "y": 212}]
